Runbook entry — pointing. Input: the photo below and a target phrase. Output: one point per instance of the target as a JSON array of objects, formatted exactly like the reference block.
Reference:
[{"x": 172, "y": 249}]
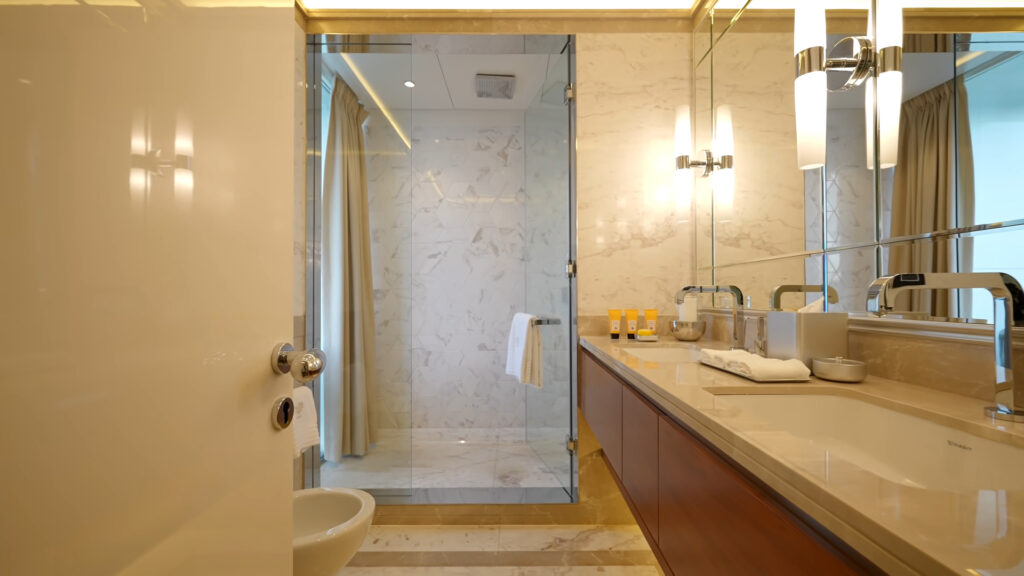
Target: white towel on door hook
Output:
[{"x": 524, "y": 359}]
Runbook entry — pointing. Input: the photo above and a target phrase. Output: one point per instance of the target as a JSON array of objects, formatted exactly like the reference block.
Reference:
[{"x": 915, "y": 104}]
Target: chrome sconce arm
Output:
[
  {"x": 724, "y": 163},
  {"x": 861, "y": 63}
]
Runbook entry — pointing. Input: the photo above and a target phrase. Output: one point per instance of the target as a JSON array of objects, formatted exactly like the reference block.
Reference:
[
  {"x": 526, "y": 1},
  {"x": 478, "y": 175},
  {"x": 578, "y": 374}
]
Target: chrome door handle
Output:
[{"x": 304, "y": 366}]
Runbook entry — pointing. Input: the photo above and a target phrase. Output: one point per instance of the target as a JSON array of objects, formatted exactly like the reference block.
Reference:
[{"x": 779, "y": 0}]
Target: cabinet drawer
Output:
[
  {"x": 601, "y": 399},
  {"x": 640, "y": 456}
]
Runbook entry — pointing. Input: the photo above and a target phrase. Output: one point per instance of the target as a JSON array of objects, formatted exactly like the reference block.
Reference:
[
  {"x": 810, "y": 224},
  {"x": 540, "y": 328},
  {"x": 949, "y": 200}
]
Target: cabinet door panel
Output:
[
  {"x": 713, "y": 520},
  {"x": 601, "y": 396},
  {"x": 640, "y": 456}
]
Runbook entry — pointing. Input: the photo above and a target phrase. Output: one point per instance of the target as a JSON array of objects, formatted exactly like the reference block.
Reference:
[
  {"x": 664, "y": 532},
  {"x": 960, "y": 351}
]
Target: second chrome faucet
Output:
[{"x": 737, "y": 306}]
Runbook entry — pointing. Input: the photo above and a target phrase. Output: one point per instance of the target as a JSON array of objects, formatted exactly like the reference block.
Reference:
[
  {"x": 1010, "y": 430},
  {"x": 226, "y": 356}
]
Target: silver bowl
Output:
[
  {"x": 839, "y": 369},
  {"x": 688, "y": 331}
]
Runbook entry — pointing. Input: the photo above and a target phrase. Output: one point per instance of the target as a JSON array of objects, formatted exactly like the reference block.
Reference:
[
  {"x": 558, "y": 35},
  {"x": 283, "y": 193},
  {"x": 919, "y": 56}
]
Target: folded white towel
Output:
[
  {"x": 524, "y": 360},
  {"x": 755, "y": 367},
  {"x": 304, "y": 429},
  {"x": 717, "y": 358}
]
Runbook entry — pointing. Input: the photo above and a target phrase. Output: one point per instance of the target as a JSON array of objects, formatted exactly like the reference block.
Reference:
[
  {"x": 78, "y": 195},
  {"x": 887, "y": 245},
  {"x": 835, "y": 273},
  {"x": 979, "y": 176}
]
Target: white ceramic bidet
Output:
[{"x": 329, "y": 526}]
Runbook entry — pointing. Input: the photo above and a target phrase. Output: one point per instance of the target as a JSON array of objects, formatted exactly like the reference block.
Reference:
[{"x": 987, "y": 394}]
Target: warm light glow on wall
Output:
[
  {"x": 682, "y": 179},
  {"x": 810, "y": 90},
  {"x": 723, "y": 180}
]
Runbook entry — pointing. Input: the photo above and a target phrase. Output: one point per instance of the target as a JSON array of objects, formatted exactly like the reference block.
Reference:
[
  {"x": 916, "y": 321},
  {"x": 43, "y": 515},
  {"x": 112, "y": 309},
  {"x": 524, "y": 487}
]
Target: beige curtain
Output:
[
  {"x": 929, "y": 189},
  {"x": 349, "y": 390}
]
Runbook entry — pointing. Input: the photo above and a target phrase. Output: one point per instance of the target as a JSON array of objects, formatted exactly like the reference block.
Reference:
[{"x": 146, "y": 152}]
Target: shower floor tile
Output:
[{"x": 454, "y": 458}]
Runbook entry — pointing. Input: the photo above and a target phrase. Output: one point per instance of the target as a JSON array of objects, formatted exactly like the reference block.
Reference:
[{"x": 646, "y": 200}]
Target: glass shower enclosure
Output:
[{"x": 471, "y": 202}]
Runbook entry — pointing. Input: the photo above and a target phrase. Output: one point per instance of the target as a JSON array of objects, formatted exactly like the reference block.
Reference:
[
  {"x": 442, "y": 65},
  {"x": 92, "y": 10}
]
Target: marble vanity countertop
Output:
[{"x": 903, "y": 525}]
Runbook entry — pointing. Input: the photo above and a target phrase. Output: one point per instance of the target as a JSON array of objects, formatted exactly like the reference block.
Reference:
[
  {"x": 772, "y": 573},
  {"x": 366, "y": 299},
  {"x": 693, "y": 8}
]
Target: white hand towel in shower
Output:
[
  {"x": 303, "y": 425},
  {"x": 524, "y": 359}
]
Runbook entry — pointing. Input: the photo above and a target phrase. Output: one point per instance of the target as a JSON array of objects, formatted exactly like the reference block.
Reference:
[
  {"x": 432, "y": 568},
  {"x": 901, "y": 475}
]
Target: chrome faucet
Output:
[
  {"x": 737, "y": 306},
  {"x": 778, "y": 291},
  {"x": 1008, "y": 305}
]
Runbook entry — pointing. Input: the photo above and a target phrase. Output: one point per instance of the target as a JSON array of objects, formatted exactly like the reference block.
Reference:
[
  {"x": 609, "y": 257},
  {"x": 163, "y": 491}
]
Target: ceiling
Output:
[{"x": 443, "y": 81}]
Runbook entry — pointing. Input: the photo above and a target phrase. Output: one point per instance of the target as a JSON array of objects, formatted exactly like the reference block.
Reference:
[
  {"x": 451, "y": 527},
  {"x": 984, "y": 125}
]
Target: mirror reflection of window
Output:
[{"x": 992, "y": 66}]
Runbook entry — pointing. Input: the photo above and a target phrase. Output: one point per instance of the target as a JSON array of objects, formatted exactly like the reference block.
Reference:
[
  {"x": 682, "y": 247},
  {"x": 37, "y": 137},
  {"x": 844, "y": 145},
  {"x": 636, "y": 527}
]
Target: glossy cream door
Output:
[{"x": 142, "y": 293}]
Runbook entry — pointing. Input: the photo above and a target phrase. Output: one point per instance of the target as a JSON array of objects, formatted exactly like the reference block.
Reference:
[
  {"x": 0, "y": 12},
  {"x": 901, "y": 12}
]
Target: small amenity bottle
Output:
[
  {"x": 614, "y": 323},
  {"x": 632, "y": 322}
]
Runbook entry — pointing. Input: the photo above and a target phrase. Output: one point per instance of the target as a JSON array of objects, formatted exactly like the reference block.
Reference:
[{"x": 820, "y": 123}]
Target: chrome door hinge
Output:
[
  {"x": 571, "y": 444},
  {"x": 570, "y": 269},
  {"x": 570, "y": 93}
]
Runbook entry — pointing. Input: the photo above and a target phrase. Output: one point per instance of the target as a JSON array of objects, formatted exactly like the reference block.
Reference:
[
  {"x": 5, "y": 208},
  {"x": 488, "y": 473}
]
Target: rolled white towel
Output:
[{"x": 756, "y": 367}]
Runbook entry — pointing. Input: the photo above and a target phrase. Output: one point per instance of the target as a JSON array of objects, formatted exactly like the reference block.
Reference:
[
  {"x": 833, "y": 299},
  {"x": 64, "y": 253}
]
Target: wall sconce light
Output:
[
  {"x": 864, "y": 64},
  {"x": 682, "y": 148}
]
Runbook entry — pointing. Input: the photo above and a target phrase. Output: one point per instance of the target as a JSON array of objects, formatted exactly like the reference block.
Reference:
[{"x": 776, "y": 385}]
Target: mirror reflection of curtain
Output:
[
  {"x": 349, "y": 387},
  {"x": 930, "y": 191}
]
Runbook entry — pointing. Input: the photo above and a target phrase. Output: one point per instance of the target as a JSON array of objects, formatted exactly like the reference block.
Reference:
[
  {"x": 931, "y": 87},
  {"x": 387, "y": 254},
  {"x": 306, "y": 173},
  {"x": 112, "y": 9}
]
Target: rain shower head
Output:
[{"x": 495, "y": 86}]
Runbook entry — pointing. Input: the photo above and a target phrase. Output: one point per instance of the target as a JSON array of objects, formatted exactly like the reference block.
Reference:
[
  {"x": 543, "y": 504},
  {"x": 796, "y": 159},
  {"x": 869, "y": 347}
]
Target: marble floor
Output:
[
  {"x": 465, "y": 458},
  {"x": 504, "y": 550}
]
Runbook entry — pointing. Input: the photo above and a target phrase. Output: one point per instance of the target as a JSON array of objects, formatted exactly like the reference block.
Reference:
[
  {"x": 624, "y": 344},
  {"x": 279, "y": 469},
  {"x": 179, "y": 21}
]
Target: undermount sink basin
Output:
[
  {"x": 816, "y": 431},
  {"x": 329, "y": 526},
  {"x": 665, "y": 355}
]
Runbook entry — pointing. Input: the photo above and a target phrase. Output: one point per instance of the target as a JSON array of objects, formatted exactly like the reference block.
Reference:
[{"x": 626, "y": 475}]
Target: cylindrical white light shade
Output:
[
  {"x": 810, "y": 95},
  {"x": 810, "y": 90},
  {"x": 682, "y": 140},
  {"x": 723, "y": 187},
  {"x": 890, "y": 98},
  {"x": 808, "y": 25},
  {"x": 724, "y": 144},
  {"x": 889, "y": 24}
]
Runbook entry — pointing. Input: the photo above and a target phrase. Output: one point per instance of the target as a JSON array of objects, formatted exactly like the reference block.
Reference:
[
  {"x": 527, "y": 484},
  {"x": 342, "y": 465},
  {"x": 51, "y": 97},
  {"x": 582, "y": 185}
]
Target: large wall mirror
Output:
[{"x": 952, "y": 202}]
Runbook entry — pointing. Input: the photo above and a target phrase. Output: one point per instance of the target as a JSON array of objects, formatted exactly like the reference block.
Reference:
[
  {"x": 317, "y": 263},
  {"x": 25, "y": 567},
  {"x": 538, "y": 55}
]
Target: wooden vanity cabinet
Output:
[
  {"x": 701, "y": 513},
  {"x": 640, "y": 456},
  {"x": 601, "y": 402}
]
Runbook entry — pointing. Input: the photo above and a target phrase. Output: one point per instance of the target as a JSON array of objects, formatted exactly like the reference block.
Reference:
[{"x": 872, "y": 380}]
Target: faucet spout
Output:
[
  {"x": 778, "y": 291},
  {"x": 737, "y": 305},
  {"x": 1008, "y": 310}
]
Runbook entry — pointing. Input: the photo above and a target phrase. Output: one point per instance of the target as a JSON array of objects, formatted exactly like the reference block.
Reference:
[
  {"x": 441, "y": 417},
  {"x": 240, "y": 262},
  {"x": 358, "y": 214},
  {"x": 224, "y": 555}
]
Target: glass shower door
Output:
[{"x": 550, "y": 294}]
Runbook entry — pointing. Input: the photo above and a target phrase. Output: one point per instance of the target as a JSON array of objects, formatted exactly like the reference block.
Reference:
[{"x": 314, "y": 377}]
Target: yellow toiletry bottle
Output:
[
  {"x": 632, "y": 322},
  {"x": 651, "y": 319},
  {"x": 614, "y": 323}
]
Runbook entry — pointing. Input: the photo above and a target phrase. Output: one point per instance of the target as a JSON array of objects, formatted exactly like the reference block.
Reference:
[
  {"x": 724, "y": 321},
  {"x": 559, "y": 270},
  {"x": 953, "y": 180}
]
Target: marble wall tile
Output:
[
  {"x": 547, "y": 250},
  {"x": 634, "y": 242},
  {"x": 448, "y": 243},
  {"x": 388, "y": 178},
  {"x": 753, "y": 75}
]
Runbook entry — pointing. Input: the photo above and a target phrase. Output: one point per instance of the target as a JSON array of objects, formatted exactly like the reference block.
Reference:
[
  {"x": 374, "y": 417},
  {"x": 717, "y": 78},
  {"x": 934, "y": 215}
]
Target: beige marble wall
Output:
[
  {"x": 635, "y": 244},
  {"x": 752, "y": 75}
]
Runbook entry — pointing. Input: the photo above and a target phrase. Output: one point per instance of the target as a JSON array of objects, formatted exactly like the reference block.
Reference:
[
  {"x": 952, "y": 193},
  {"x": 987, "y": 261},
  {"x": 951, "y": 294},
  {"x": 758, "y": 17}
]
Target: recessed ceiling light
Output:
[{"x": 410, "y": 84}]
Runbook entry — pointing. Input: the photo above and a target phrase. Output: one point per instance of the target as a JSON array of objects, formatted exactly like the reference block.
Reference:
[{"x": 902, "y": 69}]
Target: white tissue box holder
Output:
[{"x": 806, "y": 335}]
